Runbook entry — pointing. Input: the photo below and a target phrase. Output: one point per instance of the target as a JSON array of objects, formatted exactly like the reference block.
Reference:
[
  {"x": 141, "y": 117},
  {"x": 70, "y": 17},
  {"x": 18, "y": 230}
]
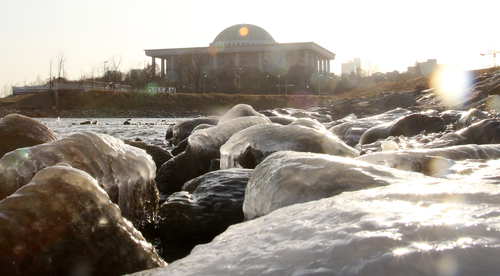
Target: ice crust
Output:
[
  {"x": 126, "y": 173},
  {"x": 448, "y": 228},
  {"x": 249, "y": 147},
  {"x": 350, "y": 131},
  {"x": 205, "y": 207},
  {"x": 63, "y": 223},
  {"x": 286, "y": 177},
  {"x": 432, "y": 162}
]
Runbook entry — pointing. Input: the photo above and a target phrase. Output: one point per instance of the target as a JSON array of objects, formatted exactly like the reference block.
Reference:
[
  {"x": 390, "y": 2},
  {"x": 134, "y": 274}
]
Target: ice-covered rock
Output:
[
  {"x": 203, "y": 146},
  {"x": 159, "y": 154},
  {"x": 239, "y": 110},
  {"x": 205, "y": 207},
  {"x": 449, "y": 228},
  {"x": 483, "y": 132},
  {"x": 247, "y": 148},
  {"x": 408, "y": 126},
  {"x": 18, "y": 131},
  {"x": 183, "y": 129},
  {"x": 286, "y": 178},
  {"x": 433, "y": 162},
  {"x": 63, "y": 223},
  {"x": 126, "y": 173},
  {"x": 350, "y": 131}
]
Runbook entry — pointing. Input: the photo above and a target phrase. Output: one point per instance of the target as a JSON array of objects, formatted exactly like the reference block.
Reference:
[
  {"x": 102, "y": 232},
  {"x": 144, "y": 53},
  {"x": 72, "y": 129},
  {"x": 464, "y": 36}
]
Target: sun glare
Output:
[
  {"x": 243, "y": 31},
  {"x": 451, "y": 84}
]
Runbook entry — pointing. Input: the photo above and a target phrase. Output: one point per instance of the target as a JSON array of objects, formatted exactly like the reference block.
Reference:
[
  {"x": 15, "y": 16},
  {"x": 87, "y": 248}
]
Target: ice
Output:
[
  {"x": 286, "y": 177},
  {"x": 249, "y": 147},
  {"x": 239, "y": 110},
  {"x": 126, "y": 173},
  {"x": 63, "y": 223},
  {"x": 450, "y": 228},
  {"x": 432, "y": 162},
  {"x": 350, "y": 132},
  {"x": 183, "y": 129},
  {"x": 205, "y": 207},
  {"x": 203, "y": 146}
]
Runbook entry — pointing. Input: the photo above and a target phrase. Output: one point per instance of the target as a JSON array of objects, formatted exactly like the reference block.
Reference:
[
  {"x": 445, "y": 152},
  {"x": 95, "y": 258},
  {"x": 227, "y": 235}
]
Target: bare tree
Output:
[
  {"x": 193, "y": 66},
  {"x": 114, "y": 75},
  {"x": 61, "y": 64},
  {"x": 370, "y": 68}
]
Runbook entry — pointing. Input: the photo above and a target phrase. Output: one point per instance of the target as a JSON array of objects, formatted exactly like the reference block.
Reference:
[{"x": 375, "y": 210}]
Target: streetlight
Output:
[
  {"x": 319, "y": 82},
  {"x": 204, "y": 78},
  {"x": 286, "y": 81},
  {"x": 266, "y": 84},
  {"x": 333, "y": 86},
  {"x": 104, "y": 73},
  {"x": 279, "y": 84}
]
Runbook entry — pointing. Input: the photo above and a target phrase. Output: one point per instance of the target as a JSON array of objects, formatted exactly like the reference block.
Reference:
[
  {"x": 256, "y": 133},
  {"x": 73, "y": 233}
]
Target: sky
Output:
[{"x": 390, "y": 35}]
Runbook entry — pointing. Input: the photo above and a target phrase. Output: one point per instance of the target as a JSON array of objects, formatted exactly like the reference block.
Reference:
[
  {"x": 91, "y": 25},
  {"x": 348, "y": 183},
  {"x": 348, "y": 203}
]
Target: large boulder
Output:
[
  {"x": 408, "y": 126},
  {"x": 183, "y": 129},
  {"x": 63, "y": 223},
  {"x": 203, "y": 146},
  {"x": 18, "y": 131},
  {"x": 126, "y": 173},
  {"x": 286, "y": 178},
  {"x": 205, "y": 207},
  {"x": 417, "y": 228},
  {"x": 247, "y": 148}
]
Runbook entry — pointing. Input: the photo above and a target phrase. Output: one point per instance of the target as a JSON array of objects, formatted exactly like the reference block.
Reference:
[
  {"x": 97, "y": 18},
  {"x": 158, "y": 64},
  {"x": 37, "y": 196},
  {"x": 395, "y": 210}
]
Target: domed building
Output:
[{"x": 242, "y": 46}]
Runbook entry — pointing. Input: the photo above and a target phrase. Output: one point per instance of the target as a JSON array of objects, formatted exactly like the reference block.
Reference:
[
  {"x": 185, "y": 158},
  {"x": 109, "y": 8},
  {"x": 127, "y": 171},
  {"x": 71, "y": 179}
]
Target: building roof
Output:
[{"x": 243, "y": 34}]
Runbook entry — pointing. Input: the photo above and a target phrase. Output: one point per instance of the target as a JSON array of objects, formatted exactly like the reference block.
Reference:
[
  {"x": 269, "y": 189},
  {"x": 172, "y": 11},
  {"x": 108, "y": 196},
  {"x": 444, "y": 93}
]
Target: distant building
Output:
[
  {"x": 424, "y": 68},
  {"x": 351, "y": 66},
  {"x": 246, "y": 45}
]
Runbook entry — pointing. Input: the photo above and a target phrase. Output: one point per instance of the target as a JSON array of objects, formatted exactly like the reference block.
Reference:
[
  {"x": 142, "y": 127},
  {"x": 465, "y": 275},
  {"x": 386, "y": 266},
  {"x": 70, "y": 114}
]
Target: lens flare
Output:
[
  {"x": 452, "y": 85},
  {"x": 243, "y": 31}
]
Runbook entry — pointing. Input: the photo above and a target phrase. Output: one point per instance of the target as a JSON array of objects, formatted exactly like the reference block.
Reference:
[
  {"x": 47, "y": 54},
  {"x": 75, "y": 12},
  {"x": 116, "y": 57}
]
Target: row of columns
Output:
[{"x": 319, "y": 64}]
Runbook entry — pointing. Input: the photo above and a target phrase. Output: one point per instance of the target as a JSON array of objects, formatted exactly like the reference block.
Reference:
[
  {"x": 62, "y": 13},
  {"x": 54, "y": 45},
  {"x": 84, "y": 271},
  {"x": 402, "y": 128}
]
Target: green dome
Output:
[{"x": 243, "y": 34}]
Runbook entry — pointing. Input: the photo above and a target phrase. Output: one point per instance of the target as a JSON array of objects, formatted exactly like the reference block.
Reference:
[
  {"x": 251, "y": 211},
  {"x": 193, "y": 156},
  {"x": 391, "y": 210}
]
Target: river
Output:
[{"x": 150, "y": 130}]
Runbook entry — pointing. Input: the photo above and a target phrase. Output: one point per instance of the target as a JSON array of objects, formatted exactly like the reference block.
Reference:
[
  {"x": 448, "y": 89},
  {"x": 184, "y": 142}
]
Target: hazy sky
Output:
[{"x": 392, "y": 34}]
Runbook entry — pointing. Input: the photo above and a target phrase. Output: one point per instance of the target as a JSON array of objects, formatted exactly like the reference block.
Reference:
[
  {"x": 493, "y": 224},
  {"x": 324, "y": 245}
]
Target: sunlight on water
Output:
[
  {"x": 243, "y": 31},
  {"x": 452, "y": 85}
]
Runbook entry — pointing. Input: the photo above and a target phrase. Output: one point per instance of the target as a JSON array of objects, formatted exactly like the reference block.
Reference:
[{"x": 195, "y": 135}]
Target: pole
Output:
[
  {"x": 204, "y": 78},
  {"x": 279, "y": 84}
]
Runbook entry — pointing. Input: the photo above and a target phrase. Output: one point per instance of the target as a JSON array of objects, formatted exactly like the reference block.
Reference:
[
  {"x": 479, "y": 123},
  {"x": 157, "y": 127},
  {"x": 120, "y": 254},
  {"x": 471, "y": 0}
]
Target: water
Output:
[{"x": 150, "y": 130}]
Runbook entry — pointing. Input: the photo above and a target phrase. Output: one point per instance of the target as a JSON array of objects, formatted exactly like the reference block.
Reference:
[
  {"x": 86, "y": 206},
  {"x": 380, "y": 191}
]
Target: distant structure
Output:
[
  {"x": 353, "y": 65},
  {"x": 423, "y": 68},
  {"x": 245, "y": 45}
]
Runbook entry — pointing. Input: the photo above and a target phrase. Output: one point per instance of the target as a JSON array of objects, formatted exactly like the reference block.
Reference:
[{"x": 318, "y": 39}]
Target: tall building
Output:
[{"x": 245, "y": 45}]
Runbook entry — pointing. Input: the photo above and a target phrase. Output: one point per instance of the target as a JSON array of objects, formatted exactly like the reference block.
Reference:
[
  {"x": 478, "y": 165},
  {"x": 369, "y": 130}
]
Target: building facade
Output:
[{"x": 242, "y": 46}]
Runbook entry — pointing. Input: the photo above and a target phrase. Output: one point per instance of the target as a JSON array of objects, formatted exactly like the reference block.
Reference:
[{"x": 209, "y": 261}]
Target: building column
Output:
[
  {"x": 215, "y": 61},
  {"x": 153, "y": 64},
  {"x": 237, "y": 60},
  {"x": 261, "y": 67},
  {"x": 306, "y": 58},
  {"x": 328, "y": 66},
  {"x": 162, "y": 68}
]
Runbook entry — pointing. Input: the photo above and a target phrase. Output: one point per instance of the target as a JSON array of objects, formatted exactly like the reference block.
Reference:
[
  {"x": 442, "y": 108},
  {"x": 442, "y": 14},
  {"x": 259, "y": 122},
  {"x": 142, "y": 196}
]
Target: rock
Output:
[
  {"x": 239, "y": 110},
  {"x": 249, "y": 147},
  {"x": 205, "y": 207},
  {"x": 203, "y": 146},
  {"x": 408, "y": 126},
  {"x": 63, "y": 223},
  {"x": 159, "y": 154},
  {"x": 126, "y": 173},
  {"x": 183, "y": 129},
  {"x": 483, "y": 132},
  {"x": 286, "y": 178},
  {"x": 18, "y": 131}
]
